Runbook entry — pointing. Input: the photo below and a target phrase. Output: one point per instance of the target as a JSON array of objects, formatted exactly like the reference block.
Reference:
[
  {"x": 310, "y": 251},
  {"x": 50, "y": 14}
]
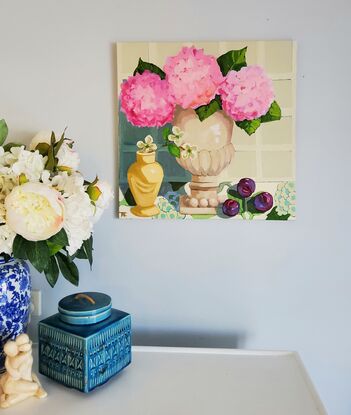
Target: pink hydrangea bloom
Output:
[
  {"x": 193, "y": 77},
  {"x": 146, "y": 100},
  {"x": 246, "y": 94}
]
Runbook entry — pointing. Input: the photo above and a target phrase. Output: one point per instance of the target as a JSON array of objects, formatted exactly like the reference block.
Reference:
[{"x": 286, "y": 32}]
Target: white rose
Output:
[
  {"x": 41, "y": 137},
  {"x": 68, "y": 159},
  {"x": 29, "y": 163},
  {"x": 104, "y": 199},
  {"x": 34, "y": 211}
]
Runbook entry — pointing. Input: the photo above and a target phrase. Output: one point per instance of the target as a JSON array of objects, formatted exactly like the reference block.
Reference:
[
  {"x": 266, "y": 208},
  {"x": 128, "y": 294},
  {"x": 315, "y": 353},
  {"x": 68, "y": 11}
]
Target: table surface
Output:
[{"x": 182, "y": 381}]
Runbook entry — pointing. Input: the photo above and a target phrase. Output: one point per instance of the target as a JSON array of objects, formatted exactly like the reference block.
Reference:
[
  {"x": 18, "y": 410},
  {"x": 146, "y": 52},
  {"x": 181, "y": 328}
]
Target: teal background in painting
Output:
[{"x": 256, "y": 285}]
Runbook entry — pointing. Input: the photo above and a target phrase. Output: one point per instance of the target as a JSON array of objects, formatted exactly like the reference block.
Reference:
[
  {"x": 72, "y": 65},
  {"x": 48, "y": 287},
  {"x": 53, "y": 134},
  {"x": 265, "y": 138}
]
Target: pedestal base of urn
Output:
[
  {"x": 185, "y": 209},
  {"x": 203, "y": 198}
]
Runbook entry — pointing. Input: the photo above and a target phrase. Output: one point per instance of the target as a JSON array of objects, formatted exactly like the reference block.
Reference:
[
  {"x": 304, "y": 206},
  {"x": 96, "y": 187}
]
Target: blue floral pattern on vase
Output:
[{"x": 15, "y": 290}]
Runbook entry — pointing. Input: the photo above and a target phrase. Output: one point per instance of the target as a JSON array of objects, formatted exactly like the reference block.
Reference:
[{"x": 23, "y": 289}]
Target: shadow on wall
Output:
[{"x": 187, "y": 339}]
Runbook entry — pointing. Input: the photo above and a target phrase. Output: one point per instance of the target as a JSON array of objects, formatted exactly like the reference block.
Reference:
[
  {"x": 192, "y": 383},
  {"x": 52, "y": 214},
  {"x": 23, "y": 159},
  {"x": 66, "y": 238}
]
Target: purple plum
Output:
[
  {"x": 230, "y": 207},
  {"x": 246, "y": 187},
  {"x": 263, "y": 202}
]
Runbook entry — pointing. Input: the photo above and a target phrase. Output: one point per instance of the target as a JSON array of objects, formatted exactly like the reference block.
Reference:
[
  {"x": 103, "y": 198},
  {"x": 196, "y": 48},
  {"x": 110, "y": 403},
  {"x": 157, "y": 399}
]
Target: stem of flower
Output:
[{"x": 245, "y": 204}]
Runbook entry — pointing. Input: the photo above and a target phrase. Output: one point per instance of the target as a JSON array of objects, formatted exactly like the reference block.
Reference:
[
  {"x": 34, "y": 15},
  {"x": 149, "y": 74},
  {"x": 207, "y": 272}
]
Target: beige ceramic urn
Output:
[{"x": 215, "y": 151}]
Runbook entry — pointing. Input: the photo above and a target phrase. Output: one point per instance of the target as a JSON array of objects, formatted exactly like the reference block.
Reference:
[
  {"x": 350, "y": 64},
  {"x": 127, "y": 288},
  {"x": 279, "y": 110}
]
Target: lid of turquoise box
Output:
[{"x": 85, "y": 308}]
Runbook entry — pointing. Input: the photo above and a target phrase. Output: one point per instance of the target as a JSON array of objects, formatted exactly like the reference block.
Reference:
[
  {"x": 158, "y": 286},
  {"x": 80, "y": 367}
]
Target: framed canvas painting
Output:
[{"x": 206, "y": 130}]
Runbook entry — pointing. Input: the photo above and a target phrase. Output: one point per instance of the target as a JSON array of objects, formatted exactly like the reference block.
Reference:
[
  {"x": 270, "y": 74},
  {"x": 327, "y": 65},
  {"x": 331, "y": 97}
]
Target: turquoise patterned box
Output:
[{"x": 86, "y": 343}]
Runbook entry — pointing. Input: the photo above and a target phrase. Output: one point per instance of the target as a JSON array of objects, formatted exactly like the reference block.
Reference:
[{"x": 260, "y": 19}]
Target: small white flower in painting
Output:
[
  {"x": 147, "y": 146},
  {"x": 177, "y": 131},
  {"x": 188, "y": 151}
]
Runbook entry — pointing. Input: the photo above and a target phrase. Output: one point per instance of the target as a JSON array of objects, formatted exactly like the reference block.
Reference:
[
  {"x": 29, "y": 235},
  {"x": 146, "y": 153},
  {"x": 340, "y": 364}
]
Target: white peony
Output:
[
  {"x": 7, "y": 235},
  {"x": 29, "y": 163},
  {"x": 68, "y": 159},
  {"x": 34, "y": 211},
  {"x": 104, "y": 199},
  {"x": 78, "y": 220}
]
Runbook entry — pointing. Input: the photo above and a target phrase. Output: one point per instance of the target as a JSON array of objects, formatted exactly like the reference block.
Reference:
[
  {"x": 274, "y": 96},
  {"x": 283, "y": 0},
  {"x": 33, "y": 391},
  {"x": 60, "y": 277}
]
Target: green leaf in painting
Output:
[
  {"x": 233, "y": 60},
  {"x": 19, "y": 247},
  {"x": 204, "y": 111},
  {"x": 3, "y": 131},
  {"x": 174, "y": 150},
  {"x": 60, "y": 238},
  {"x": 222, "y": 185},
  {"x": 249, "y": 126},
  {"x": 8, "y": 146},
  {"x": 233, "y": 194},
  {"x": 68, "y": 269},
  {"x": 52, "y": 271},
  {"x": 273, "y": 215},
  {"x": 38, "y": 254},
  {"x": 273, "y": 114},
  {"x": 165, "y": 133},
  {"x": 147, "y": 66},
  {"x": 129, "y": 198},
  {"x": 88, "y": 247},
  {"x": 177, "y": 185}
]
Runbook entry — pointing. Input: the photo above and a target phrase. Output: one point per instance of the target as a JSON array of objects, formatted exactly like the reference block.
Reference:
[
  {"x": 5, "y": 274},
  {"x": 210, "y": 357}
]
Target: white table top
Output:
[{"x": 178, "y": 381}]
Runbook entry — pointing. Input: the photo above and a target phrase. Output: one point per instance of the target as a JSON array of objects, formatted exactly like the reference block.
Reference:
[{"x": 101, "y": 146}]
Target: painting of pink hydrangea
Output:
[{"x": 206, "y": 130}]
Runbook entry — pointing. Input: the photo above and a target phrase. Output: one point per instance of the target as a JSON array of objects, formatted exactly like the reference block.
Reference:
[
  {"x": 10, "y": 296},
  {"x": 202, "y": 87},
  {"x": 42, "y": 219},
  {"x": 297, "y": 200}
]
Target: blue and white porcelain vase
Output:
[{"x": 15, "y": 290}]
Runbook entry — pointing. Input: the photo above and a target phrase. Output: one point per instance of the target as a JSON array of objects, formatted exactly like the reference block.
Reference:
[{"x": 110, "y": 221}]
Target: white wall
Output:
[{"x": 253, "y": 285}]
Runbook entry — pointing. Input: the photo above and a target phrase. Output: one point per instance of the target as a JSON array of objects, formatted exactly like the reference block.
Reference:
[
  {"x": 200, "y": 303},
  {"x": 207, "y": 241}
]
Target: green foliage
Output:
[
  {"x": 52, "y": 271},
  {"x": 19, "y": 247},
  {"x": 273, "y": 215},
  {"x": 165, "y": 133},
  {"x": 68, "y": 268},
  {"x": 47, "y": 256},
  {"x": 174, "y": 150},
  {"x": 143, "y": 66},
  {"x": 53, "y": 248},
  {"x": 8, "y": 146},
  {"x": 273, "y": 114},
  {"x": 204, "y": 111},
  {"x": 50, "y": 164},
  {"x": 57, "y": 242},
  {"x": 43, "y": 148},
  {"x": 88, "y": 247},
  {"x": 38, "y": 254},
  {"x": 60, "y": 238},
  {"x": 3, "y": 131},
  {"x": 233, "y": 60},
  {"x": 58, "y": 145},
  {"x": 80, "y": 253},
  {"x": 249, "y": 126}
]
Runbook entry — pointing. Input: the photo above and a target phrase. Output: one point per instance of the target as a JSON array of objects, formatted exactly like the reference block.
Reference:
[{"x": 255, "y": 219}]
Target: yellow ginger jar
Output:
[{"x": 145, "y": 176}]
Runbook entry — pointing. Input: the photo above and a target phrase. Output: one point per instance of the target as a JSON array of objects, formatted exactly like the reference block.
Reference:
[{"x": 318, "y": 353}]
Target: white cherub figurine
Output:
[{"x": 18, "y": 383}]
